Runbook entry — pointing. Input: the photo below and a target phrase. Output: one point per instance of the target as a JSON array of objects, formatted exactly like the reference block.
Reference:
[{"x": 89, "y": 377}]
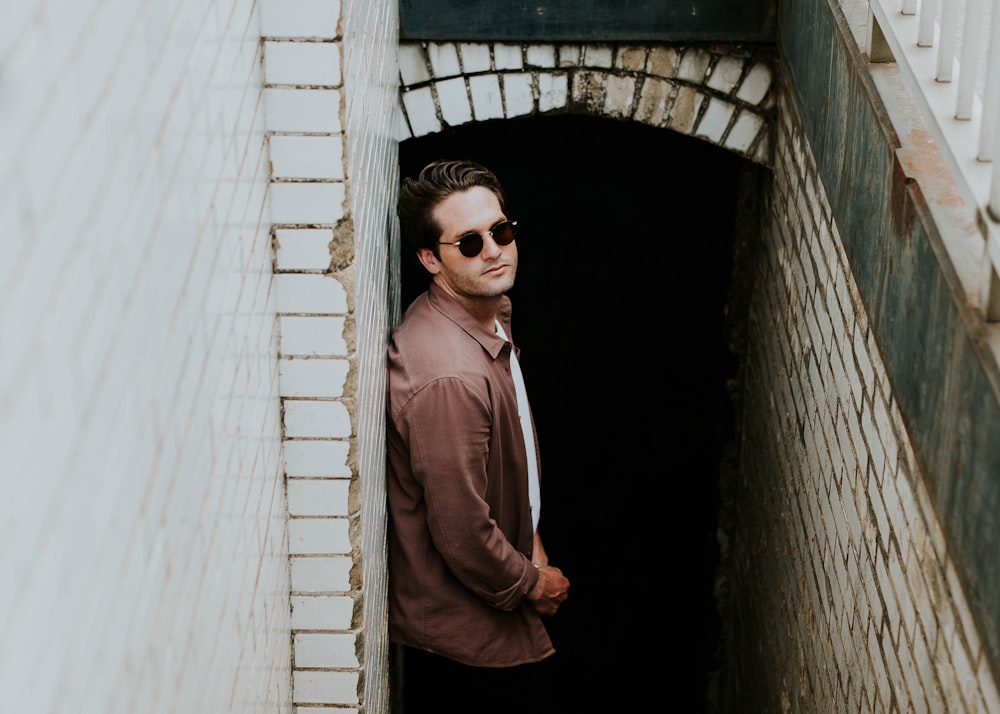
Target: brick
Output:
[
  {"x": 318, "y": 497},
  {"x": 299, "y": 18},
  {"x": 693, "y": 66},
  {"x": 321, "y": 612},
  {"x": 553, "y": 91},
  {"x": 302, "y": 110},
  {"x": 312, "y": 377},
  {"x": 312, "y": 336},
  {"x": 309, "y": 293},
  {"x": 326, "y": 458},
  {"x": 653, "y": 100},
  {"x": 685, "y": 109},
  {"x": 598, "y": 56},
  {"x": 965, "y": 675},
  {"x": 412, "y": 64},
  {"x": 631, "y": 58},
  {"x": 746, "y": 129},
  {"x": 303, "y": 248},
  {"x": 318, "y": 687},
  {"x": 475, "y": 57},
  {"x": 319, "y": 574},
  {"x": 618, "y": 96},
  {"x": 307, "y": 157},
  {"x": 541, "y": 56},
  {"x": 507, "y": 57},
  {"x": 662, "y": 61},
  {"x": 320, "y": 419},
  {"x": 325, "y": 651},
  {"x": 443, "y": 57},
  {"x": 307, "y": 203},
  {"x": 517, "y": 91},
  {"x": 486, "y": 100},
  {"x": 319, "y": 536},
  {"x": 453, "y": 98},
  {"x": 400, "y": 130},
  {"x": 726, "y": 74},
  {"x": 569, "y": 55},
  {"x": 302, "y": 63},
  {"x": 420, "y": 110},
  {"x": 756, "y": 84},
  {"x": 715, "y": 120}
]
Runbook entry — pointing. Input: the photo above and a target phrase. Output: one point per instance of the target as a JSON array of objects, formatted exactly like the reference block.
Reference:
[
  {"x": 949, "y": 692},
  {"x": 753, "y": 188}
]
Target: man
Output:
[{"x": 469, "y": 579}]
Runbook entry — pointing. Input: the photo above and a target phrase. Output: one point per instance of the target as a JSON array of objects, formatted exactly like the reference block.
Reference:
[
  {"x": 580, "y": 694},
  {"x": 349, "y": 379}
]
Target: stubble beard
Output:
[{"x": 494, "y": 289}]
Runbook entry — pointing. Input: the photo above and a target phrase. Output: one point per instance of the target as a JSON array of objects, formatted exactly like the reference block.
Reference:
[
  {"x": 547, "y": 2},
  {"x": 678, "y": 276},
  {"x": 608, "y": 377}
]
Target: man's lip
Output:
[{"x": 495, "y": 268}]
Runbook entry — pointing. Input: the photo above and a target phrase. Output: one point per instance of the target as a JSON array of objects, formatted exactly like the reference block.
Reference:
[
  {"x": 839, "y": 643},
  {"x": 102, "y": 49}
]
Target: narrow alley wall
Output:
[
  {"x": 194, "y": 310},
  {"x": 842, "y": 587},
  {"x": 143, "y": 548}
]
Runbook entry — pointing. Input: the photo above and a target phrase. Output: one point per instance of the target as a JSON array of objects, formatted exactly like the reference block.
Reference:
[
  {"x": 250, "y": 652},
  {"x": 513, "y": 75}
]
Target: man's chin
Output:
[{"x": 498, "y": 288}]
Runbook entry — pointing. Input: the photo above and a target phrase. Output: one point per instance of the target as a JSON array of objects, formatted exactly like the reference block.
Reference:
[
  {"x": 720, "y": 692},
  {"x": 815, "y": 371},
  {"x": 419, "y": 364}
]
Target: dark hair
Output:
[{"x": 437, "y": 181}]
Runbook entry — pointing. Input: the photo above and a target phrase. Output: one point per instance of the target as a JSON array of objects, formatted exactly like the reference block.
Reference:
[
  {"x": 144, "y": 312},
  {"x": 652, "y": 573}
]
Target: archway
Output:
[{"x": 627, "y": 240}]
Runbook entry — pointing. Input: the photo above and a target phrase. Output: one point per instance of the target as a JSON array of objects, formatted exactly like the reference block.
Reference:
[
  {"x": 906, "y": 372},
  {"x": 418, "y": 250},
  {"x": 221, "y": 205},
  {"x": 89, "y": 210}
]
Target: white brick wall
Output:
[
  {"x": 304, "y": 86},
  {"x": 849, "y": 598},
  {"x": 143, "y": 550},
  {"x": 333, "y": 156}
]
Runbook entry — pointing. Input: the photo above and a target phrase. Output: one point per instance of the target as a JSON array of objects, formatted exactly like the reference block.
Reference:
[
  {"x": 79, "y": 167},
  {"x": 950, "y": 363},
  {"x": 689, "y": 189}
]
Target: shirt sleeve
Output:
[{"x": 450, "y": 429}]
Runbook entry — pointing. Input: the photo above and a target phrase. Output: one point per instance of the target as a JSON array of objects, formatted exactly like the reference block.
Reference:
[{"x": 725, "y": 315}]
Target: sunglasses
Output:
[{"x": 471, "y": 244}]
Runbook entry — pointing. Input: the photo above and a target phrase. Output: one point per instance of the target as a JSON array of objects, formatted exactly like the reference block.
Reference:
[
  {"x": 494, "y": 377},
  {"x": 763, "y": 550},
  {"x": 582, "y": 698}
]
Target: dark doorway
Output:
[{"x": 626, "y": 240}]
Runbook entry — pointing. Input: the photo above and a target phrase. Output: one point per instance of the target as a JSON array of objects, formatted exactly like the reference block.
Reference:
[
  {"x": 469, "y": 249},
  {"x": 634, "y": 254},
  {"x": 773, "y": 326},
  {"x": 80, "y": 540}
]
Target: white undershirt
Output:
[{"x": 534, "y": 494}]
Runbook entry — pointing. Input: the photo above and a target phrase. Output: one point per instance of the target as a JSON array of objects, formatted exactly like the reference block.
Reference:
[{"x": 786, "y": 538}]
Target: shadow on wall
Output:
[{"x": 626, "y": 245}]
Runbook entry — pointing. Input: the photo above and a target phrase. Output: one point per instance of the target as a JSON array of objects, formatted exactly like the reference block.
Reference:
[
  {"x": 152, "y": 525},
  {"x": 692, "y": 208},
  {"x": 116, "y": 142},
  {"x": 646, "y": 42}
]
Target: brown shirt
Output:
[{"x": 460, "y": 531}]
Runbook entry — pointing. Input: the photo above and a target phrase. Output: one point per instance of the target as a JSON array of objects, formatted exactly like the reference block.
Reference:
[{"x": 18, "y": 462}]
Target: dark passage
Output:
[{"x": 626, "y": 246}]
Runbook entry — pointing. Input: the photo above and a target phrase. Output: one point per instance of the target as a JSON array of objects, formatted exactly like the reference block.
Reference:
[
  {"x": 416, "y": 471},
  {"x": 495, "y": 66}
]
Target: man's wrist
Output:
[{"x": 538, "y": 580}]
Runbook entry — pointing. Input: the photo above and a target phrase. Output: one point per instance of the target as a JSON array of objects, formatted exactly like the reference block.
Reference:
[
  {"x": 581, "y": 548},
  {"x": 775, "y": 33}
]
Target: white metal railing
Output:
[{"x": 949, "y": 50}]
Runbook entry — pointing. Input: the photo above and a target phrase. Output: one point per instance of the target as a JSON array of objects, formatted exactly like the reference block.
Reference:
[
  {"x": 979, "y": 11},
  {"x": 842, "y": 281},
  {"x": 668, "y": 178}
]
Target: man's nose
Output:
[{"x": 491, "y": 249}]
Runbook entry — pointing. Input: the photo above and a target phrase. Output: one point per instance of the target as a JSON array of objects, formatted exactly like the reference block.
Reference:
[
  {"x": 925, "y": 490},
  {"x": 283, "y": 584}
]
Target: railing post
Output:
[
  {"x": 971, "y": 32},
  {"x": 988, "y": 127},
  {"x": 876, "y": 46},
  {"x": 948, "y": 41},
  {"x": 928, "y": 15}
]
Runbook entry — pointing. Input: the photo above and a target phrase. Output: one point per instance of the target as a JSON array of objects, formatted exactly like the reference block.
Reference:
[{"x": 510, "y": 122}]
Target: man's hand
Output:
[{"x": 550, "y": 591}]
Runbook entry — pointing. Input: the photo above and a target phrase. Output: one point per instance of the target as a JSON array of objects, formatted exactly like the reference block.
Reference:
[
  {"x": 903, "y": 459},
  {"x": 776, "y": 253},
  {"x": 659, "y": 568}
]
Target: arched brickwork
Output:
[{"x": 720, "y": 93}]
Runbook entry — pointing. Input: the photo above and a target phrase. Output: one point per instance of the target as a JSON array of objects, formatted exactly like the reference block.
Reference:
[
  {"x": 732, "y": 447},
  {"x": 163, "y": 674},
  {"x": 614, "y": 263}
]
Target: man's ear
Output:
[{"x": 427, "y": 259}]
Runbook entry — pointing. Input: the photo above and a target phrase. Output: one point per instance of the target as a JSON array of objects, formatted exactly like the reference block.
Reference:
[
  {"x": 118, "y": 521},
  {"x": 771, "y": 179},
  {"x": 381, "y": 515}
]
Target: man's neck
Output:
[{"x": 483, "y": 308}]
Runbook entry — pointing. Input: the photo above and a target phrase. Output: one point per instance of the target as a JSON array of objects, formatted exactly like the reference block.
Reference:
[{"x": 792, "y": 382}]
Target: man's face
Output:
[{"x": 486, "y": 275}]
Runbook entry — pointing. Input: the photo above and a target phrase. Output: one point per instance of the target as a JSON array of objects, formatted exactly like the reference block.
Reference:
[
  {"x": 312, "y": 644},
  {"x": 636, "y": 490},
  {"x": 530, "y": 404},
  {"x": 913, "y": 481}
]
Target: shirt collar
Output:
[{"x": 454, "y": 311}]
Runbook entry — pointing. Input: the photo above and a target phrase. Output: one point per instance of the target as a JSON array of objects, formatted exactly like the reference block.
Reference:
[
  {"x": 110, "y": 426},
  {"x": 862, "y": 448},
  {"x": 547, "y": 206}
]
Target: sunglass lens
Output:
[
  {"x": 503, "y": 233},
  {"x": 471, "y": 245}
]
